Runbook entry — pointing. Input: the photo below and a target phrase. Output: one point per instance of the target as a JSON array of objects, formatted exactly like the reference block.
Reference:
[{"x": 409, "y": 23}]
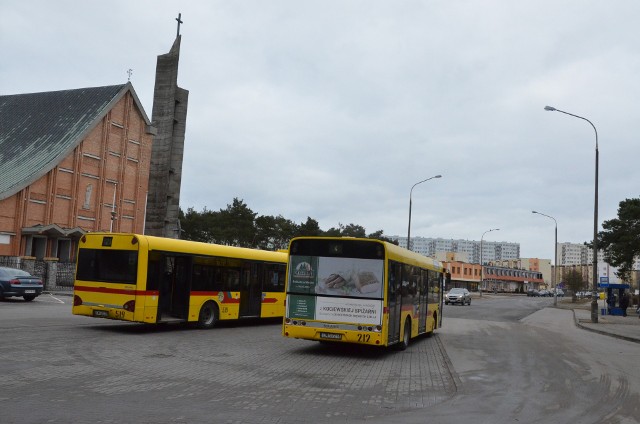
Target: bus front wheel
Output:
[
  {"x": 404, "y": 344},
  {"x": 208, "y": 315}
]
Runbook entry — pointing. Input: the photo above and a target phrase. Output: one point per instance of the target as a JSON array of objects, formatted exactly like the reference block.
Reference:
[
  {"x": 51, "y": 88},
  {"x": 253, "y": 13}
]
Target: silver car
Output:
[{"x": 458, "y": 295}]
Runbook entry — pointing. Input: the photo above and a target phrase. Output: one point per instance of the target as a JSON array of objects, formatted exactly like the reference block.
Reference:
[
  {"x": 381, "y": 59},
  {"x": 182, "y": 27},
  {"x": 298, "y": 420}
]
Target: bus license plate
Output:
[
  {"x": 331, "y": 336},
  {"x": 101, "y": 314},
  {"x": 29, "y": 291}
]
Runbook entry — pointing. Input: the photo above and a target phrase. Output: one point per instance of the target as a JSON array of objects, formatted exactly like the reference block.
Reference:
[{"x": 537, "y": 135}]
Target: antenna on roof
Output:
[{"x": 129, "y": 72}]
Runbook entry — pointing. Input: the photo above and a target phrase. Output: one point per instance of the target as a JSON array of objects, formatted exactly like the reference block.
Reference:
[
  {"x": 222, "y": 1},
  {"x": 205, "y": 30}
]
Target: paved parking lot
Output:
[{"x": 56, "y": 367}]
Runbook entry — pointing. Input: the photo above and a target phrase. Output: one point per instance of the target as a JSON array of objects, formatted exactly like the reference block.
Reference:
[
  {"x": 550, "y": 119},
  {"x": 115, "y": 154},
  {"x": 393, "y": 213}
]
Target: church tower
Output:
[{"x": 169, "y": 117}]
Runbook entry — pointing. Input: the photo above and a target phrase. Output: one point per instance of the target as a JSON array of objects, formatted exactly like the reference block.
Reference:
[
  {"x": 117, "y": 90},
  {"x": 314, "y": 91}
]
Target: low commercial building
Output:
[{"x": 510, "y": 278}]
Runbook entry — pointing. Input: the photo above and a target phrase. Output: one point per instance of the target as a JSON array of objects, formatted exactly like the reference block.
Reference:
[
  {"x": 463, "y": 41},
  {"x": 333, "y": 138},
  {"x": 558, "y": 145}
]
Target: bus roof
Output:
[{"x": 198, "y": 248}]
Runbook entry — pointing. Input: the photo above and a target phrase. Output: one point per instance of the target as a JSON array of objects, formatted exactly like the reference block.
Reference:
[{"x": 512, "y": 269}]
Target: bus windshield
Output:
[{"x": 110, "y": 266}]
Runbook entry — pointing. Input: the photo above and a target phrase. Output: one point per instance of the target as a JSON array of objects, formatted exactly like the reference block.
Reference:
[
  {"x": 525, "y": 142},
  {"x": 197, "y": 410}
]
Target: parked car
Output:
[
  {"x": 458, "y": 295},
  {"x": 559, "y": 293},
  {"x": 533, "y": 293},
  {"x": 544, "y": 293},
  {"x": 18, "y": 283}
]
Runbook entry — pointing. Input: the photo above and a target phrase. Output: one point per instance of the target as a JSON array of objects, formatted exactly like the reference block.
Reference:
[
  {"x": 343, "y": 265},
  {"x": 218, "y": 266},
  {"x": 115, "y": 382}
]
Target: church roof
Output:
[{"x": 38, "y": 130}]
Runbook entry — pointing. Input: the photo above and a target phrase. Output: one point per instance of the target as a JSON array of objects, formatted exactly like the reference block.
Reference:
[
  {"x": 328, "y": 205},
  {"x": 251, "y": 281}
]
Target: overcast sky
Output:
[{"x": 334, "y": 109}]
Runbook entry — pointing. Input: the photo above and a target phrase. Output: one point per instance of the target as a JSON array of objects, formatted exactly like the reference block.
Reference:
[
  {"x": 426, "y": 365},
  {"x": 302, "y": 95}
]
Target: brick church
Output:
[{"x": 89, "y": 159}]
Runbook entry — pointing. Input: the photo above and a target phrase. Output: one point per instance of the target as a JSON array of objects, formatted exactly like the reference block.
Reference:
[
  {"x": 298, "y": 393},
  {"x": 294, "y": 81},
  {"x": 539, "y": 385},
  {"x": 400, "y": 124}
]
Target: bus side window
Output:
[
  {"x": 392, "y": 282},
  {"x": 202, "y": 278},
  {"x": 274, "y": 278},
  {"x": 425, "y": 288},
  {"x": 154, "y": 273},
  {"x": 218, "y": 279},
  {"x": 232, "y": 279},
  {"x": 434, "y": 291}
]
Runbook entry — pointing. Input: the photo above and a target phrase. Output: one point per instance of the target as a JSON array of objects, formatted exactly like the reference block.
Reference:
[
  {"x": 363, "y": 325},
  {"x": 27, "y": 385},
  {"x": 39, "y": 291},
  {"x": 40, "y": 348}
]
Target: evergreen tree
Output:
[{"x": 620, "y": 238}]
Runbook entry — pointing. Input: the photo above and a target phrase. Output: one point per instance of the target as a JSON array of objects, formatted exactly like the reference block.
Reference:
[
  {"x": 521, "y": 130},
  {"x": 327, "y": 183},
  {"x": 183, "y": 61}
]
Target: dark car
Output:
[
  {"x": 18, "y": 283},
  {"x": 458, "y": 295}
]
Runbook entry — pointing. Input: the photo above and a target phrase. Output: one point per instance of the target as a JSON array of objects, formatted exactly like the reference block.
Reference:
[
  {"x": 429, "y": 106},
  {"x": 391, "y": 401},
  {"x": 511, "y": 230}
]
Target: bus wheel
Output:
[
  {"x": 407, "y": 335},
  {"x": 208, "y": 315}
]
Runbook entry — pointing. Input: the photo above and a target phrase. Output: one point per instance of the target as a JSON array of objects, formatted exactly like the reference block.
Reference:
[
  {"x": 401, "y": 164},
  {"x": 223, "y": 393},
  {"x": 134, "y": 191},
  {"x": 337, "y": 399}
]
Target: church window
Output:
[{"x": 87, "y": 196}]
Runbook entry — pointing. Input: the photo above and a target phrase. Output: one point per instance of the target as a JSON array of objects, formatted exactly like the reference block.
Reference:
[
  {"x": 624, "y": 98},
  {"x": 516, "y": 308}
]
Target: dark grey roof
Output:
[{"x": 38, "y": 130}]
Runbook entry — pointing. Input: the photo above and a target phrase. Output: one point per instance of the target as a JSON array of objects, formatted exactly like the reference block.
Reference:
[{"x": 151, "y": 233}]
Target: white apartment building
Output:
[
  {"x": 576, "y": 254},
  {"x": 580, "y": 254},
  {"x": 491, "y": 250}
]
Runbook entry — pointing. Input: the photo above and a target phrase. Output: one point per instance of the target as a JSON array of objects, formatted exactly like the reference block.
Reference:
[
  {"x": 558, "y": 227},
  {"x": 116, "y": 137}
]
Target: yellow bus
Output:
[
  {"x": 362, "y": 291},
  {"x": 139, "y": 278}
]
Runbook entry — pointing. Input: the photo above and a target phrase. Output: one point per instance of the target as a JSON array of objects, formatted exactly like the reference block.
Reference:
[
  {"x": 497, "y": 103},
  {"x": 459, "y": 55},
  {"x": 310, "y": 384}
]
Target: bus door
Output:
[
  {"x": 250, "y": 291},
  {"x": 175, "y": 288},
  {"x": 182, "y": 290},
  {"x": 394, "y": 302},
  {"x": 423, "y": 294}
]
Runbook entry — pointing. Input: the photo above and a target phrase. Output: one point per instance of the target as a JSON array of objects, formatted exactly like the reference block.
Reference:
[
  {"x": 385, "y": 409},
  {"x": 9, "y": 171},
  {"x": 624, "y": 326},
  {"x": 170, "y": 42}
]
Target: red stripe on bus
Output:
[
  {"x": 227, "y": 297},
  {"x": 116, "y": 291},
  {"x": 269, "y": 300}
]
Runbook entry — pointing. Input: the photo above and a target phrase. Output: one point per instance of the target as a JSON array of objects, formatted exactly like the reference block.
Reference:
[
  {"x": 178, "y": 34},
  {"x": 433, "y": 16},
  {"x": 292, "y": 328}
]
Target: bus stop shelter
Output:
[{"x": 613, "y": 294}]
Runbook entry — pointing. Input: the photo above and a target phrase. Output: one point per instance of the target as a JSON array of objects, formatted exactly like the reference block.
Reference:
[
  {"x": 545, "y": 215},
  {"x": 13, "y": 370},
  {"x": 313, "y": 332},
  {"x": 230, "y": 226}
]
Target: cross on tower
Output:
[{"x": 179, "y": 22}]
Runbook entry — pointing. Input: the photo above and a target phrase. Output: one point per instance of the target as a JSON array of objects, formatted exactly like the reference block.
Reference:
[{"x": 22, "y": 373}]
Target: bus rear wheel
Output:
[{"x": 208, "y": 315}]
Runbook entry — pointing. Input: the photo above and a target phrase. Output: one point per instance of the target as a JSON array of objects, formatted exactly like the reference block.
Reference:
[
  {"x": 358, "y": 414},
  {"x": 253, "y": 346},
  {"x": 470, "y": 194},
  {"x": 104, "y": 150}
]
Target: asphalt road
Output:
[
  {"x": 500, "y": 360},
  {"x": 518, "y": 363}
]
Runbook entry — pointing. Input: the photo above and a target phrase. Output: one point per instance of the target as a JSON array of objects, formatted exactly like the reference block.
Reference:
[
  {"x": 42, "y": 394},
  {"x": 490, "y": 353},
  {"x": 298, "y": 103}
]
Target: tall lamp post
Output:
[
  {"x": 410, "y": 193},
  {"x": 481, "y": 265},
  {"x": 594, "y": 301},
  {"x": 555, "y": 261}
]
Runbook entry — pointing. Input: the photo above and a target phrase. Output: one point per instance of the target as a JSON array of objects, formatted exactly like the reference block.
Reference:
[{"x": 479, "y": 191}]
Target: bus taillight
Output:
[
  {"x": 77, "y": 300},
  {"x": 130, "y": 306}
]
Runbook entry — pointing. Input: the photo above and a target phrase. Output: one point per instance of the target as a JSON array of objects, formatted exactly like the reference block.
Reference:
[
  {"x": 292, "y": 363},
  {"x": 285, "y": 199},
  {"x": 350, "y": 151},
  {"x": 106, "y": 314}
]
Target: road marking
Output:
[{"x": 59, "y": 300}]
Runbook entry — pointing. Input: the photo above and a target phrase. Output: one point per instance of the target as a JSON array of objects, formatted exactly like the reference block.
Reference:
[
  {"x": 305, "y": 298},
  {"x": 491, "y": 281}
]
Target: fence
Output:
[{"x": 55, "y": 275}]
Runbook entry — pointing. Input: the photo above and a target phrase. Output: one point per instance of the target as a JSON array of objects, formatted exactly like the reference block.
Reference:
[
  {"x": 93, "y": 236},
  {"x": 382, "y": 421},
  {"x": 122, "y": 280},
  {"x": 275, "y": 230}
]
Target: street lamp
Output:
[
  {"x": 481, "y": 265},
  {"x": 555, "y": 261},
  {"x": 594, "y": 301},
  {"x": 410, "y": 193}
]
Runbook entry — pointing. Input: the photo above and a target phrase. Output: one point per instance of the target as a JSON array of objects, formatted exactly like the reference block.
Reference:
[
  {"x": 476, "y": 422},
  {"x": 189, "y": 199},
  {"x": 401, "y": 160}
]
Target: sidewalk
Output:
[{"x": 626, "y": 328}]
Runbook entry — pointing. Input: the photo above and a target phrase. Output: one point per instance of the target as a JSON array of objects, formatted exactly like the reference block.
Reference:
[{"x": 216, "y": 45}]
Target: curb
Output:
[{"x": 604, "y": 333}]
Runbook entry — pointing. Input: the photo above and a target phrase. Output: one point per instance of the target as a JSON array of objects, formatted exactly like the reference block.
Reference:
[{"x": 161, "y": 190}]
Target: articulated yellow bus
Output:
[
  {"x": 361, "y": 291},
  {"x": 139, "y": 278}
]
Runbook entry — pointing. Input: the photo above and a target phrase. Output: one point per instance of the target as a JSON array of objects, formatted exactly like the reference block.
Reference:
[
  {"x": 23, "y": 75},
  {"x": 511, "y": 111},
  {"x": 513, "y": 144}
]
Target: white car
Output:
[{"x": 458, "y": 295}]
